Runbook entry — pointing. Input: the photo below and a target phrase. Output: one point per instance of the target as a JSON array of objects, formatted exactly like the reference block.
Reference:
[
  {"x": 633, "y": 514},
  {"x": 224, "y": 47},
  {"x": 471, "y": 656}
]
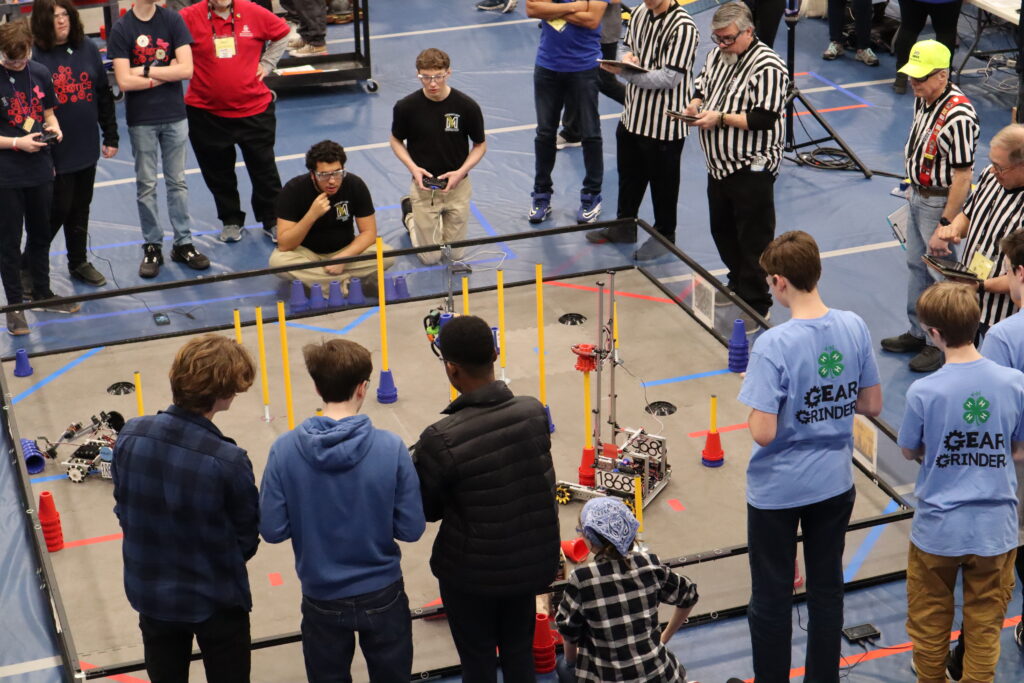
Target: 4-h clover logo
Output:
[
  {"x": 976, "y": 409},
  {"x": 830, "y": 363}
]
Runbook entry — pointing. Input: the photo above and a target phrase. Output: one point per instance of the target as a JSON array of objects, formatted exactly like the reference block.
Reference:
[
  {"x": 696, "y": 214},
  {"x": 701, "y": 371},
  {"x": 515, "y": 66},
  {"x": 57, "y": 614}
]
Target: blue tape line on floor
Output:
[
  {"x": 370, "y": 312},
  {"x": 840, "y": 88},
  {"x": 51, "y": 477},
  {"x": 54, "y": 375},
  {"x": 489, "y": 229},
  {"x": 157, "y": 307},
  {"x": 672, "y": 380},
  {"x": 867, "y": 545}
]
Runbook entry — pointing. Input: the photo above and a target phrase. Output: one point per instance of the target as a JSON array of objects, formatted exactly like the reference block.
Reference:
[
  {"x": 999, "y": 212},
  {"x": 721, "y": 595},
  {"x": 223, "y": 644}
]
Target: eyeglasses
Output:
[
  {"x": 725, "y": 41},
  {"x": 436, "y": 78},
  {"x": 999, "y": 170},
  {"x": 328, "y": 175},
  {"x": 926, "y": 77}
]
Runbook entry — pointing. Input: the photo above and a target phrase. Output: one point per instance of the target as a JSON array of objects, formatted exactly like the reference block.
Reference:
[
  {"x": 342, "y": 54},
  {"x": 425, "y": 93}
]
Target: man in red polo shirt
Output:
[{"x": 228, "y": 104}]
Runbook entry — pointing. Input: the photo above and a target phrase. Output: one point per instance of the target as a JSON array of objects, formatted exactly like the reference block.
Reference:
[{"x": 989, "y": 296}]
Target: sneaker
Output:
[
  {"x": 721, "y": 300},
  {"x": 295, "y": 43},
  {"x": 86, "y": 273},
  {"x": 867, "y": 56},
  {"x": 955, "y": 661},
  {"x": 54, "y": 305},
  {"x": 187, "y": 254},
  {"x": 561, "y": 142},
  {"x": 590, "y": 208},
  {"x": 1018, "y": 634},
  {"x": 617, "y": 234},
  {"x": 230, "y": 233},
  {"x": 271, "y": 232},
  {"x": 899, "y": 84},
  {"x": 650, "y": 250},
  {"x": 541, "y": 207},
  {"x": 833, "y": 50},
  {"x": 16, "y": 323},
  {"x": 407, "y": 220},
  {"x": 503, "y": 6},
  {"x": 929, "y": 359},
  {"x": 309, "y": 50},
  {"x": 905, "y": 343},
  {"x": 151, "y": 261}
]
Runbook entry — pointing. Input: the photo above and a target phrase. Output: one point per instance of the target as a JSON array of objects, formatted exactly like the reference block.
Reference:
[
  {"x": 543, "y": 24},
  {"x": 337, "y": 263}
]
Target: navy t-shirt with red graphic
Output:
[
  {"x": 24, "y": 95},
  {"x": 76, "y": 71},
  {"x": 152, "y": 42}
]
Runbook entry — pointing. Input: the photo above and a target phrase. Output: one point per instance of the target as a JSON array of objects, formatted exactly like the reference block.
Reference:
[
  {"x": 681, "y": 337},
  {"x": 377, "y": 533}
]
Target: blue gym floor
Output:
[{"x": 492, "y": 58}]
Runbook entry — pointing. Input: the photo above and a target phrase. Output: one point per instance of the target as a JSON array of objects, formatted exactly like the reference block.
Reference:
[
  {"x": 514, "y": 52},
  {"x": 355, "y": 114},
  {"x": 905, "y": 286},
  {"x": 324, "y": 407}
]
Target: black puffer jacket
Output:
[{"x": 486, "y": 473}]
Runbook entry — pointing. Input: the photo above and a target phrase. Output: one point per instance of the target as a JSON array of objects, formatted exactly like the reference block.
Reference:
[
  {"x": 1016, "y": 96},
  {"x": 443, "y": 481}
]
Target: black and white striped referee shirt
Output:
[
  {"x": 757, "y": 79},
  {"x": 659, "y": 42},
  {"x": 957, "y": 141},
  {"x": 994, "y": 212}
]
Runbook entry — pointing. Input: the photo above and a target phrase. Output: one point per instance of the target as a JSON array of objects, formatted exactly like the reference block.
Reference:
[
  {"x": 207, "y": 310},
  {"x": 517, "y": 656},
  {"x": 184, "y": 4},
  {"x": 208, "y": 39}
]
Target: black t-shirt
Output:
[
  {"x": 24, "y": 95},
  {"x": 335, "y": 229},
  {"x": 437, "y": 133},
  {"x": 154, "y": 42}
]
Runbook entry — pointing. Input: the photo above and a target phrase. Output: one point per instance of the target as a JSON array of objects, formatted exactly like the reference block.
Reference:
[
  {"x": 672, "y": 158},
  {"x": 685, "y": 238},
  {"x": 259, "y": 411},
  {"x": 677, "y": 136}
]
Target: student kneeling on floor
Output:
[
  {"x": 965, "y": 425},
  {"x": 318, "y": 214}
]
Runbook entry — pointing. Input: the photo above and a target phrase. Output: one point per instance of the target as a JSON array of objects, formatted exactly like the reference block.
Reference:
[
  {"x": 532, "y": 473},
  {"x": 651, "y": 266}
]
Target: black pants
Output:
[
  {"x": 72, "y": 195},
  {"x": 28, "y": 208},
  {"x": 771, "y": 535},
  {"x": 862, "y": 16},
  {"x": 608, "y": 85},
  {"x": 223, "y": 640},
  {"x": 311, "y": 16},
  {"x": 767, "y": 15},
  {"x": 646, "y": 161},
  {"x": 479, "y": 624},
  {"x": 213, "y": 140},
  {"x": 742, "y": 209},
  {"x": 914, "y": 14}
]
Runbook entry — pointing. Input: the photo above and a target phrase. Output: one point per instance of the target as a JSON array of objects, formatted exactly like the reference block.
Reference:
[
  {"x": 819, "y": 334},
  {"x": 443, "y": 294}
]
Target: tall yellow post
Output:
[
  {"x": 615, "y": 323},
  {"x": 638, "y": 502},
  {"x": 542, "y": 392},
  {"x": 138, "y": 394},
  {"x": 386, "y": 391},
  {"x": 588, "y": 413},
  {"x": 501, "y": 322},
  {"x": 238, "y": 326},
  {"x": 465, "y": 295},
  {"x": 262, "y": 343},
  {"x": 714, "y": 414},
  {"x": 282, "y": 323}
]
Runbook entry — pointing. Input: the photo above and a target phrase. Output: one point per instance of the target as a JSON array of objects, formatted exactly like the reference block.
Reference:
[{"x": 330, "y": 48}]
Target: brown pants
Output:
[
  {"x": 988, "y": 585},
  {"x": 300, "y": 256}
]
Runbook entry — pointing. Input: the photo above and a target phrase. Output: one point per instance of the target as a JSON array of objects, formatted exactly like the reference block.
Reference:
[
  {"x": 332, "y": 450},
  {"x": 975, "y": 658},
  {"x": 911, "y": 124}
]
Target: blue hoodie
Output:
[{"x": 343, "y": 491}]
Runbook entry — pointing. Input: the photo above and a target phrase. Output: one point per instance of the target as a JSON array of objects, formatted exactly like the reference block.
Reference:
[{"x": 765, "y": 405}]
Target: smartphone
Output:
[
  {"x": 681, "y": 116},
  {"x": 161, "y": 319}
]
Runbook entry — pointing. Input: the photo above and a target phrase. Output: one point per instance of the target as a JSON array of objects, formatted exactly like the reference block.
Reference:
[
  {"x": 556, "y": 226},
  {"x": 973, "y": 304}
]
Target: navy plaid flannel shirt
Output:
[{"x": 187, "y": 502}]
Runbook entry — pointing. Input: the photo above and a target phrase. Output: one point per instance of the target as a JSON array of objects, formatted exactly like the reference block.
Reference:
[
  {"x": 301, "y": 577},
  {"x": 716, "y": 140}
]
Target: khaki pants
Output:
[
  {"x": 988, "y": 585},
  {"x": 301, "y": 256},
  {"x": 439, "y": 218}
]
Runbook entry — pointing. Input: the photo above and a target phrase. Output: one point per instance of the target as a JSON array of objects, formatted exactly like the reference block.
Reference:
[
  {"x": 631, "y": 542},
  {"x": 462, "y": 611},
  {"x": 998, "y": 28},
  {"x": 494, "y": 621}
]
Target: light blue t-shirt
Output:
[
  {"x": 1004, "y": 342},
  {"x": 572, "y": 49},
  {"x": 808, "y": 373},
  {"x": 966, "y": 415}
]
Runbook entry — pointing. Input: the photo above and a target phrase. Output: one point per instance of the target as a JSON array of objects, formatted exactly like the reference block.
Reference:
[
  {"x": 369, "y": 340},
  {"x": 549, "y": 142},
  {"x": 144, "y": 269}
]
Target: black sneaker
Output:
[
  {"x": 16, "y": 323},
  {"x": 1018, "y": 633},
  {"x": 270, "y": 230},
  {"x": 88, "y": 274},
  {"x": 152, "y": 259},
  {"x": 616, "y": 234},
  {"x": 955, "y": 662},
  {"x": 929, "y": 359},
  {"x": 650, "y": 250},
  {"x": 406, "y": 210},
  {"x": 52, "y": 304},
  {"x": 899, "y": 84},
  {"x": 905, "y": 343},
  {"x": 187, "y": 254}
]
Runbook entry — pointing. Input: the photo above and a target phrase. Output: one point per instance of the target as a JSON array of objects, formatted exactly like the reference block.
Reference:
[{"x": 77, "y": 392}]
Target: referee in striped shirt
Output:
[
  {"x": 994, "y": 210},
  {"x": 739, "y": 99},
  {"x": 939, "y": 160},
  {"x": 663, "y": 39}
]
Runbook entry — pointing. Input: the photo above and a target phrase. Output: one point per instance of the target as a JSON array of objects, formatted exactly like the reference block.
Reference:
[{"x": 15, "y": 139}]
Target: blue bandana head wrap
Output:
[{"x": 609, "y": 517}]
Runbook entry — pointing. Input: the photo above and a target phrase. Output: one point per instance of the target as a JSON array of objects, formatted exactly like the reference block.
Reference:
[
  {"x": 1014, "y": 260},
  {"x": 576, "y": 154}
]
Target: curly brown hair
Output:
[{"x": 208, "y": 368}]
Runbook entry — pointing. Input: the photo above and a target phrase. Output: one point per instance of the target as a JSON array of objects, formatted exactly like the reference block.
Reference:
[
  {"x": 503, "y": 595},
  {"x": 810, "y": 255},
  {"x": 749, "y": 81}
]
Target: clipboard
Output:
[
  {"x": 625, "y": 66},
  {"x": 954, "y": 270},
  {"x": 680, "y": 116},
  {"x": 898, "y": 220}
]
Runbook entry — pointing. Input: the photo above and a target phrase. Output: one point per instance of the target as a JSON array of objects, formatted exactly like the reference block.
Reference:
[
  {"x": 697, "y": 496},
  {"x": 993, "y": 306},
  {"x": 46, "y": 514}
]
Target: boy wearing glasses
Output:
[
  {"x": 323, "y": 215},
  {"x": 430, "y": 132},
  {"x": 939, "y": 160}
]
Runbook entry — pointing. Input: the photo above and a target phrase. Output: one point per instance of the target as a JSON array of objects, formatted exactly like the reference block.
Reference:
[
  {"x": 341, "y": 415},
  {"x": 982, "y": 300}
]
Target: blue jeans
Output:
[
  {"x": 771, "y": 536},
  {"x": 577, "y": 90},
  {"x": 383, "y": 623},
  {"x": 925, "y": 213},
  {"x": 166, "y": 140}
]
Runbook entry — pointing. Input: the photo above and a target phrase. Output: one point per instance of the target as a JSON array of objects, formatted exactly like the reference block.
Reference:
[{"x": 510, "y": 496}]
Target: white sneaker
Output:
[
  {"x": 296, "y": 42},
  {"x": 562, "y": 143}
]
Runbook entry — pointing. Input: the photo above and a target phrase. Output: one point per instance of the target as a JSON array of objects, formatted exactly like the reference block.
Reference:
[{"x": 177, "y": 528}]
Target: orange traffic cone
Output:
[
  {"x": 575, "y": 550},
  {"x": 543, "y": 645},
  {"x": 586, "y": 470},
  {"x": 49, "y": 519}
]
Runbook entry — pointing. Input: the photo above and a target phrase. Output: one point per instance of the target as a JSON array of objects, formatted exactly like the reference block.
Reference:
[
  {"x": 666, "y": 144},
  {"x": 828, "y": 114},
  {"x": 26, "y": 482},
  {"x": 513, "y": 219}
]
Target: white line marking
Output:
[
  {"x": 446, "y": 29},
  {"x": 29, "y": 667}
]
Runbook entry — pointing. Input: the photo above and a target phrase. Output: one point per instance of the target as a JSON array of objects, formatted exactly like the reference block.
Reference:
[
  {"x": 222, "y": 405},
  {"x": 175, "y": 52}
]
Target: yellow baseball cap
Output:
[{"x": 925, "y": 57}]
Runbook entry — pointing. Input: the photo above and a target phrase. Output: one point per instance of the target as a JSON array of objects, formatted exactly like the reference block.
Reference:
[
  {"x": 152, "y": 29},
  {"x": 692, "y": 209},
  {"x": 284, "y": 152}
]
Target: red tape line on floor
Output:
[
  {"x": 95, "y": 539},
  {"x": 727, "y": 428},
  {"x": 676, "y": 505},
  {"x": 586, "y": 288},
  {"x": 120, "y": 678}
]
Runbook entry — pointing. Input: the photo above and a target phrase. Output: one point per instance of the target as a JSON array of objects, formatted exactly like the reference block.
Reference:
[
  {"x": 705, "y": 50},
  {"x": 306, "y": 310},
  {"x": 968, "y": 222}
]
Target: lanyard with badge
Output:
[{"x": 223, "y": 46}]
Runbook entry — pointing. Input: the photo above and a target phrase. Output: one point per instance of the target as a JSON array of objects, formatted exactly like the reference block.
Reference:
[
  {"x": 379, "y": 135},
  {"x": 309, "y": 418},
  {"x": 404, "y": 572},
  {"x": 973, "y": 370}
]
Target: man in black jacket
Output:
[{"x": 486, "y": 473}]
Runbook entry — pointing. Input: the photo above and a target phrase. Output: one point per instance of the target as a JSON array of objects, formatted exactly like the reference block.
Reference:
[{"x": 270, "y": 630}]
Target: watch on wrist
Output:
[{"x": 944, "y": 221}]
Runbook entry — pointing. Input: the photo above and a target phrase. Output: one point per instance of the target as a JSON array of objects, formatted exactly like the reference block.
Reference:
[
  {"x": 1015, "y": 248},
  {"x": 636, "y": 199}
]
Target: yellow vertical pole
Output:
[
  {"x": 638, "y": 502},
  {"x": 501, "y": 321},
  {"x": 382, "y": 302},
  {"x": 615, "y": 323},
  {"x": 262, "y": 343},
  {"x": 465, "y": 295},
  {"x": 282, "y": 323},
  {"x": 238, "y": 326},
  {"x": 138, "y": 394},
  {"x": 588, "y": 413},
  {"x": 714, "y": 414},
  {"x": 542, "y": 393}
]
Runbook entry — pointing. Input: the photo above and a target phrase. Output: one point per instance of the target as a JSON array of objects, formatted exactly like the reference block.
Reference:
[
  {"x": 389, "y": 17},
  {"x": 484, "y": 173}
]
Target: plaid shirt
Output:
[
  {"x": 611, "y": 612},
  {"x": 186, "y": 499}
]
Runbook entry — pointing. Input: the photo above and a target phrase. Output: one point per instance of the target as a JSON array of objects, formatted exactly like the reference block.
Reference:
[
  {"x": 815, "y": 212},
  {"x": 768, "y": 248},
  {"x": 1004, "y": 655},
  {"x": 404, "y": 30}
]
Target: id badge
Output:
[
  {"x": 558, "y": 24},
  {"x": 981, "y": 265},
  {"x": 29, "y": 124},
  {"x": 224, "y": 47}
]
